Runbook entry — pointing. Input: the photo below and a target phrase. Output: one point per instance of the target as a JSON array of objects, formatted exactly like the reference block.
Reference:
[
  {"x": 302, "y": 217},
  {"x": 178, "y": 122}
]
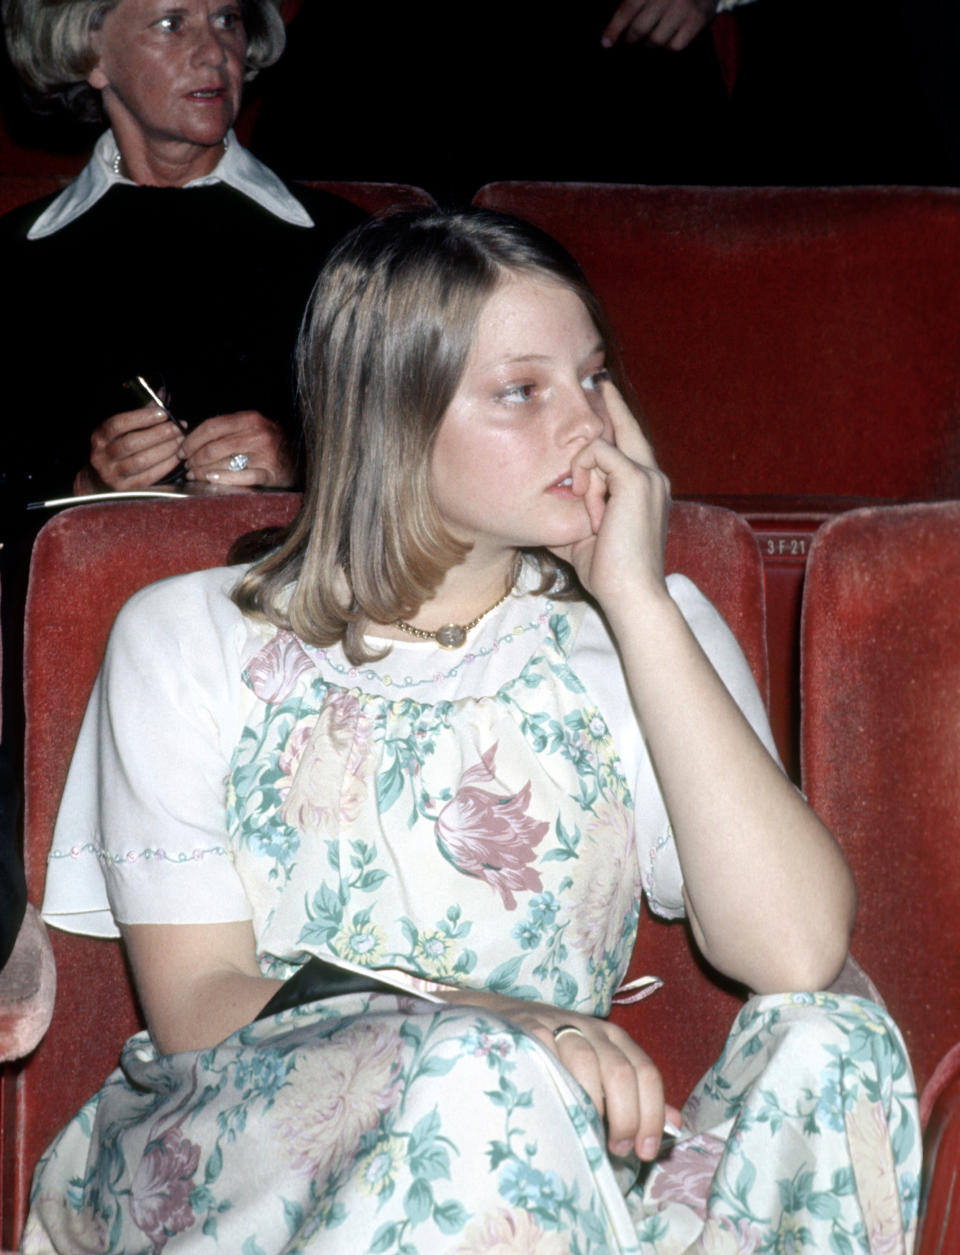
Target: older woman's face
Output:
[{"x": 171, "y": 71}]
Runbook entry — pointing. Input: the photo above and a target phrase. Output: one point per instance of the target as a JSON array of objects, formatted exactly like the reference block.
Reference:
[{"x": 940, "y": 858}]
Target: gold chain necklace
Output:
[{"x": 451, "y": 635}]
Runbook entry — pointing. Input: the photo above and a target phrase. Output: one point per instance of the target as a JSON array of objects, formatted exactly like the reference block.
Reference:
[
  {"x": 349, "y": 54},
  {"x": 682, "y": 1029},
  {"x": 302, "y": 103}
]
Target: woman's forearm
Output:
[
  {"x": 198, "y": 983},
  {"x": 770, "y": 895}
]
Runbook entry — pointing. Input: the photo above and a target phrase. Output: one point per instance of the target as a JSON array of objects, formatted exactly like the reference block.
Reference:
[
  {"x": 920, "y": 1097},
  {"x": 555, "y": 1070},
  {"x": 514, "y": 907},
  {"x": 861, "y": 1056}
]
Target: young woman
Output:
[{"x": 406, "y": 742}]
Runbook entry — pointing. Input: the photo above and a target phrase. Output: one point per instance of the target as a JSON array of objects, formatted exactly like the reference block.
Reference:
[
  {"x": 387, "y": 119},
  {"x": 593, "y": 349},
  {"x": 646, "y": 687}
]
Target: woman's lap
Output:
[{"x": 388, "y": 1125}]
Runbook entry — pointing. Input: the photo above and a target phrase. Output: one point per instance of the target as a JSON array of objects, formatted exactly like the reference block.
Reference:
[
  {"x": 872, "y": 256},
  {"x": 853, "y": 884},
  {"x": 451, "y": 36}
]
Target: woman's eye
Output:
[
  {"x": 596, "y": 379},
  {"x": 518, "y": 393},
  {"x": 231, "y": 20},
  {"x": 171, "y": 24}
]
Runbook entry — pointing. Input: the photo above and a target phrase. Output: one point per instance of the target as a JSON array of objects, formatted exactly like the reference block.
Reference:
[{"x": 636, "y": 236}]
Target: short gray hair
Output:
[{"x": 50, "y": 46}]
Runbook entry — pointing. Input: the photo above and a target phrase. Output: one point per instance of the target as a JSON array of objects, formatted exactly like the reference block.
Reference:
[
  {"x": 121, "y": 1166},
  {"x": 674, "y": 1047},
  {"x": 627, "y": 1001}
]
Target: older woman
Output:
[{"x": 175, "y": 256}]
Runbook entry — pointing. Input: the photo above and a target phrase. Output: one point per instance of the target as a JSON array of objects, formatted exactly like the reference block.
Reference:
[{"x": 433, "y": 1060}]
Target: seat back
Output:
[
  {"x": 375, "y": 198},
  {"x": 781, "y": 341},
  {"x": 880, "y": 736},
  {"x": 20, "y": 189},
  {"x": 86, "y": 563}
]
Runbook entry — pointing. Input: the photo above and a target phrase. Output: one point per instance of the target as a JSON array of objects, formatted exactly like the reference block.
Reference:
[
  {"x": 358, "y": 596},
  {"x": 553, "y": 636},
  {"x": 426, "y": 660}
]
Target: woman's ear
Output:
[{"x": 96, "y": 77}]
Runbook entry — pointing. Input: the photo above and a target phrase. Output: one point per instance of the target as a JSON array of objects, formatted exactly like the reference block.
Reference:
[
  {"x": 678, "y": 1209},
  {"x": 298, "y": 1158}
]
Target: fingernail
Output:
[
  {"x": 649, "y": 1147},
  {"x": 621, "y": 1148},
  {"x": 213, "y": 476}
]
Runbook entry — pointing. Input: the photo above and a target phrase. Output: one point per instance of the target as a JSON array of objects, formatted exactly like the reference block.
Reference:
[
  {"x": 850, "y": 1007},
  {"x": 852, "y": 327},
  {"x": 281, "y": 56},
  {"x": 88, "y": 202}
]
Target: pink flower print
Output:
[
  {"x": 292, "y": 752},
  {"x": 614, "y": 887},
  {"x": 344, "y": 1086},
  {"x": 274, "y": 671},
  {"x": 327, "y": 764},
  {"x": 162, "y": 1185},
  {"x": 509, "y": 1233},
  {"x": 875, "y": 1173},
  {"x": 686, "y": 1174},
  {"x": 489, "y": 836},
  {"x": 722, "y": 1237}
]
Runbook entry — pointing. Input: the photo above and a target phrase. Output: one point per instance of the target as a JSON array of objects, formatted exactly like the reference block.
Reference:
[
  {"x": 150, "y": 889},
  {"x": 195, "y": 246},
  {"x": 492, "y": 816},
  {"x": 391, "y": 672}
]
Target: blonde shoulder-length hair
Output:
[
  {"x": 51, "y": 46},
  {"x": 382, "y": 350}
]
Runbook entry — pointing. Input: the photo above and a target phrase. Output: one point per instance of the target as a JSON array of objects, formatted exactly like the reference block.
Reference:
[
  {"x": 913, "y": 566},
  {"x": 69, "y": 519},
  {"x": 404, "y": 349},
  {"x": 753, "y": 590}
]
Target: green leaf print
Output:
[
  {"x": 565, "y": 991},
  {"x": 560, "y": 629},
  {"x": 385, "y": 1237},
  {"x": 567, "y": 677},
  {"x": 293, "y": 1215},
  {"x": 450, "y": 1217},
  {"x": 840, "y": 1244},
  {"x": 418, "y": 1201},
  {"x": 502, "y": 980},
  {"x": 214, "y": 1165},
  {"x": 389, "y": 786}
]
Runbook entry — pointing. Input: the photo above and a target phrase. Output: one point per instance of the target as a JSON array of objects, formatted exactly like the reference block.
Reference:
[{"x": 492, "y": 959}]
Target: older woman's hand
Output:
[
  {"x": 208, "y": 449},
  {"x": 133, "y": 449},
  {"x": 664, "y": 23}
]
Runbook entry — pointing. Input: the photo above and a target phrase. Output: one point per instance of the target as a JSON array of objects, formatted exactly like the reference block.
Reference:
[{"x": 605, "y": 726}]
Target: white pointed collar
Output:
[{"x": 237, "y": 168}]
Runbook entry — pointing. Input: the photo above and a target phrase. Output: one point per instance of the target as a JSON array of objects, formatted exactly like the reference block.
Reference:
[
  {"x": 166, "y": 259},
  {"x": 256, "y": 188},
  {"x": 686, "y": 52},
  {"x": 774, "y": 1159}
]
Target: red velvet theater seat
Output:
[
  {"x": 881, "y": 763},
  {"x": 793, "y": 350},
  {"x": 86, "y": 563},
  {"x": 781, "y": 341},
  {"x": 20, "y": 189},
  {"x": 376, "y": 198}
]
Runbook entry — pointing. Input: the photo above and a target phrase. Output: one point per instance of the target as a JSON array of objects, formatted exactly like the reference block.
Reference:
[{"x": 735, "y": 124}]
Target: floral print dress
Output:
[{"x": 486, "y": 819}]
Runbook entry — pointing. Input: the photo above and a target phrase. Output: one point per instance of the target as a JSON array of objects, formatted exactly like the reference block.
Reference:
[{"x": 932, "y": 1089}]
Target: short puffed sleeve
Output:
[{"x": 140, "y": 836}]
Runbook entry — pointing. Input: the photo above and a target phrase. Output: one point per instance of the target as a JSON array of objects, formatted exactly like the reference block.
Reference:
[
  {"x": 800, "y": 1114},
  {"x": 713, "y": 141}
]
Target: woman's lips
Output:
[{"x": 562, "y": 487}]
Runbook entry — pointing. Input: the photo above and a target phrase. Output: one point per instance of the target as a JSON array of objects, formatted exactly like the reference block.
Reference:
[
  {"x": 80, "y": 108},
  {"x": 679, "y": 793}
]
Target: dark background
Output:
[{"x": 452, "y": 96}]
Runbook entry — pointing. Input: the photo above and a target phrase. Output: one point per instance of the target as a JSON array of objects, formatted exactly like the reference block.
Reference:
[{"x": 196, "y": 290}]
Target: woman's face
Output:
[
  {"x": 529, "y": 400},
  {"x": 171, "y": 74}
]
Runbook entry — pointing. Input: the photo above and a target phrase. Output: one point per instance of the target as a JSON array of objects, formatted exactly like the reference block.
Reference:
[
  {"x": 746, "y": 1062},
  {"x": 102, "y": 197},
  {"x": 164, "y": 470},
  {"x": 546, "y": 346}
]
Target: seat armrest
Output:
[
  {"x": 940, "y": 1192},
  {"x": 28, "y": 985}
]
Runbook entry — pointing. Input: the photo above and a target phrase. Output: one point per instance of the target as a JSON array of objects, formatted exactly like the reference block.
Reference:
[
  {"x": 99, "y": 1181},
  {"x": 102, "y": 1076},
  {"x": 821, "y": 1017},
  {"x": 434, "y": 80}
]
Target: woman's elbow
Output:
[{"x": 812, "y": 958}]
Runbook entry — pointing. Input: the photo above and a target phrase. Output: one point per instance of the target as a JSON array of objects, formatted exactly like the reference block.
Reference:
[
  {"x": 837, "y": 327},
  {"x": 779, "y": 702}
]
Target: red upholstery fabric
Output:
[
  {"x": 377, "y": 197},
  {"x": 725, "y": 33},
  {"x": 940, "y": 1193},
  {"x": 880, "y": 737},
  {"x": 780, "y": 340},
  {"x": 20, "y": 189},
  {"x": 86, "y": 563}
]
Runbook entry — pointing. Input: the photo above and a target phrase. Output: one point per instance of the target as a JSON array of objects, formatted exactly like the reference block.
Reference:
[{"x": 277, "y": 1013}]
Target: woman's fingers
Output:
[
  {"x": 578, "y": 1055},
  {"x": 135, "y": 449},
  {"x": 621, "y": 1080},
  {"x": 622, "y": 1083},
  {"x": 628, "y": 435},
  {"x": 215, "y": 450}
]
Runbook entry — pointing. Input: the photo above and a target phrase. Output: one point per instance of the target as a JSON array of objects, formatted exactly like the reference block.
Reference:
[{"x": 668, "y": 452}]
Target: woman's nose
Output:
[
  {"x": 585, "y": 419},
  {"x": 210, "y": 47}
]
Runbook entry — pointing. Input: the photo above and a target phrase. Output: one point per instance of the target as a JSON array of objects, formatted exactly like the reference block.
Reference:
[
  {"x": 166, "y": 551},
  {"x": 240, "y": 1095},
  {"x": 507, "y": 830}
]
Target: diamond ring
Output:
[{"x": 239, "y": 462}]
